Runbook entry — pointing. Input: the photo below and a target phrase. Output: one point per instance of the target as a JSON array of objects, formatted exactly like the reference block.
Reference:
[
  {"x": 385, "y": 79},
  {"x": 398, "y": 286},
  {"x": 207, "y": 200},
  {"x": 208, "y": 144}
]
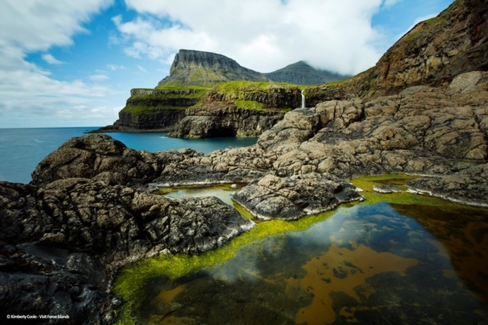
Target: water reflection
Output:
[
  {"x": 370, "y": 264},
  {"x": 223, "y": 192}
]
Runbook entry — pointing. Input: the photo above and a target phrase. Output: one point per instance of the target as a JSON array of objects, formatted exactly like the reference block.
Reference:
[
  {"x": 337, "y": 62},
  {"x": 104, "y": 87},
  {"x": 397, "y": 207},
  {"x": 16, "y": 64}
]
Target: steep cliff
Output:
[
  {"x": 155, "y": 109},
  {"x": 431, "y": 53},
  {"x": 238, "y": 108},
  {"x": 206, "y": 69}
]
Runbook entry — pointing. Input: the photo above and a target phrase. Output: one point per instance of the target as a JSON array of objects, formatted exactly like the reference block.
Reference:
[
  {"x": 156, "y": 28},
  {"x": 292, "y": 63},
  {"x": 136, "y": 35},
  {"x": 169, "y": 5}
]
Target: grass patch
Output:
[
  {"x": 179, "y": 86},
  {"x": 249, "y": 104},
  {"x": 143, "y": 109},
  {"x": 240, "y": 86}
]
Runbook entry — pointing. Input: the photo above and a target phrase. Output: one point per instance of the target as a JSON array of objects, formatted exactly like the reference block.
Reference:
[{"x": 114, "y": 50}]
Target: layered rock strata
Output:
[{"x": 221, "y": 115}]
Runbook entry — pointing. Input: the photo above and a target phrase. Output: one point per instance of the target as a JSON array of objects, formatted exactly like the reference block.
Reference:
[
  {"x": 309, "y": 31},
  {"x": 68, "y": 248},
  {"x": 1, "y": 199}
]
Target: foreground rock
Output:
[
  {"x": 60, "y": 244},
  {"x": 293, "y": 197}
]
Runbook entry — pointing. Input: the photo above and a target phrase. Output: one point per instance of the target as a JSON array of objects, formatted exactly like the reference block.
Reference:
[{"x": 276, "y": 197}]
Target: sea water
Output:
[{"x": 22, "y": 149}]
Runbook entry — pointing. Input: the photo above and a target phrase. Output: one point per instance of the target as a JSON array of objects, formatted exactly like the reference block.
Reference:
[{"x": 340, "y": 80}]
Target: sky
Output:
[{"x": 73, "y": 63}]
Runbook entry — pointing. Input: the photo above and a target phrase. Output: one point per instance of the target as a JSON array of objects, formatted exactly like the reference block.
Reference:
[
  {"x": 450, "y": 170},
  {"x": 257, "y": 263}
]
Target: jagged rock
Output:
[
  {"x": 291, "y": 198},
  {"x": 102, "y": 158},
  {"x": 62, "y": 243}
]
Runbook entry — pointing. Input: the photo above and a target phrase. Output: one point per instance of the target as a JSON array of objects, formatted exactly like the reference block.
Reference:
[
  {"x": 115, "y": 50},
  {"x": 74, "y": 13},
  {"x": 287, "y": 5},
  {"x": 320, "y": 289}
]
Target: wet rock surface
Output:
[
  {"x": 60, "y": 244},
  {"x": 293, "y": 197}
]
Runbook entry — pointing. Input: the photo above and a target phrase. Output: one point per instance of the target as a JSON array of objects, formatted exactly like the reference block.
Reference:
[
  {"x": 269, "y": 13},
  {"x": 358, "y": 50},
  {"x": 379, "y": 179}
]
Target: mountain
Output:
[
  {"x": 301, "y": 73},
  {"x": 197, "y": 68}
]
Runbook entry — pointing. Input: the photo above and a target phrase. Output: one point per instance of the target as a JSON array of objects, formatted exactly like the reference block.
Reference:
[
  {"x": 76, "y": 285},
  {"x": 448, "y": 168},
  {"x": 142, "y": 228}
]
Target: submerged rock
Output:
[{"x": 386, "y": 189}]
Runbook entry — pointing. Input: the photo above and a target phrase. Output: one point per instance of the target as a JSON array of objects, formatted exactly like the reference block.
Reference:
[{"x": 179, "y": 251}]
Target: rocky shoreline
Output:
[{"x": 90, "y": 208}]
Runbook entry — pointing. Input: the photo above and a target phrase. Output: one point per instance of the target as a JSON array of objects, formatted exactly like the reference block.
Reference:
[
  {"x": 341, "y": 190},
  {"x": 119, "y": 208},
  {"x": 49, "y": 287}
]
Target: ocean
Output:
[{"x": 22, "y": 149}]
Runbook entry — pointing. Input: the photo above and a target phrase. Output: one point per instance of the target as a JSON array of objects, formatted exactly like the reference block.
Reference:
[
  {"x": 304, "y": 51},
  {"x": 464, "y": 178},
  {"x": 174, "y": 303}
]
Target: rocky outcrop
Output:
[
  {"x": 101, "y": 158},
  {"x": 225, "y": 120},
  {"x": 63, "y": 237},
  {"x": 468, "y": 186},
  {"x": 291, "y": 198},
  {"x": 301, "y": 73},
  {"x": 422, "y": 130},
  {"x": 431, "y": 53}
]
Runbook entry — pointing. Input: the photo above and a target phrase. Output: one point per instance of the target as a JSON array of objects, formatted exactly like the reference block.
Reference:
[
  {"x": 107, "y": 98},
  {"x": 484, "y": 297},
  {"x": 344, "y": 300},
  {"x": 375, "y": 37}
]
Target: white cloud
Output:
[
  {"x": 27, "y": 91},
  {"x": 261, "y": 35},
  {"x": 98, "y": 77},
  {"x": 389, "y": 3},
  {"x": 51, "y": 59},
  {"x": 142, "y": 69},
  {"x": 115, "y": 67}
]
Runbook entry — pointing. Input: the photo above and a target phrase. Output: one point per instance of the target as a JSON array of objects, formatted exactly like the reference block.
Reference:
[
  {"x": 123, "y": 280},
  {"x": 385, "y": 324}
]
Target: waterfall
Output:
[{"x": 303, "y": 99}]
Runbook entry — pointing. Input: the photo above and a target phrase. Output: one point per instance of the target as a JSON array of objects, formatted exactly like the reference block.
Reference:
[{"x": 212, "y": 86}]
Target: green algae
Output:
[
  {"x": 129, "y": 283},
  {"x": 404, "y": 198}
]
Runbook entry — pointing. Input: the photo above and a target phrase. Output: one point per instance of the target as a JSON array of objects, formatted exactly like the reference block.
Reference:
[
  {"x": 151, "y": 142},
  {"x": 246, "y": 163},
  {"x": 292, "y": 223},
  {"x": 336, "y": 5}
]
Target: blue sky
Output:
[{"x": 73, "y": 63}]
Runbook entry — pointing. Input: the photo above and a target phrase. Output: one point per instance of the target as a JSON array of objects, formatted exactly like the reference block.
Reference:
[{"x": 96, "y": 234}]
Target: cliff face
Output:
[
  {"x": 431, "y": 53},
  {"x": 206, "y": 68},
  {"x": 301, "y": 73},
  {"x": 238, "y": 109},
  {"x": 150, "y": 109}
]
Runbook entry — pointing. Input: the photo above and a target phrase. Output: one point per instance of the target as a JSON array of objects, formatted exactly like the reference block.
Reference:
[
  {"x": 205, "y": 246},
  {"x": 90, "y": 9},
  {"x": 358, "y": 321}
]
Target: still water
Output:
[{"x": 414, "y": 260}]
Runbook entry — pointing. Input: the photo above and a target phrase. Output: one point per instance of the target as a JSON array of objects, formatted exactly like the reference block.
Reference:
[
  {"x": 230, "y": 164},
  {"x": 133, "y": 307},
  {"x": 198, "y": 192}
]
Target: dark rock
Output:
[
  {"x": 293, "y": 197},
  {"x": 220, "y": 119},
  {"x": 102, "y": 158},
  {"x": 60, "y": 244}
]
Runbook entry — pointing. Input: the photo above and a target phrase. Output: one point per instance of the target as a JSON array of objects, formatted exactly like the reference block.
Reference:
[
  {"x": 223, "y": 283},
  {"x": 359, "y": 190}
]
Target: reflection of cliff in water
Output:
[
  {"x": 366, "y": 264},
  {"x": 460, "y": 235}
]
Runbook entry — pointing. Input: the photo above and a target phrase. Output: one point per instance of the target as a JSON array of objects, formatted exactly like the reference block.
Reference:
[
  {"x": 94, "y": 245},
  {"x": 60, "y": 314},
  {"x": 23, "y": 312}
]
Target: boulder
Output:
[{"x": 293, "y": 197}]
